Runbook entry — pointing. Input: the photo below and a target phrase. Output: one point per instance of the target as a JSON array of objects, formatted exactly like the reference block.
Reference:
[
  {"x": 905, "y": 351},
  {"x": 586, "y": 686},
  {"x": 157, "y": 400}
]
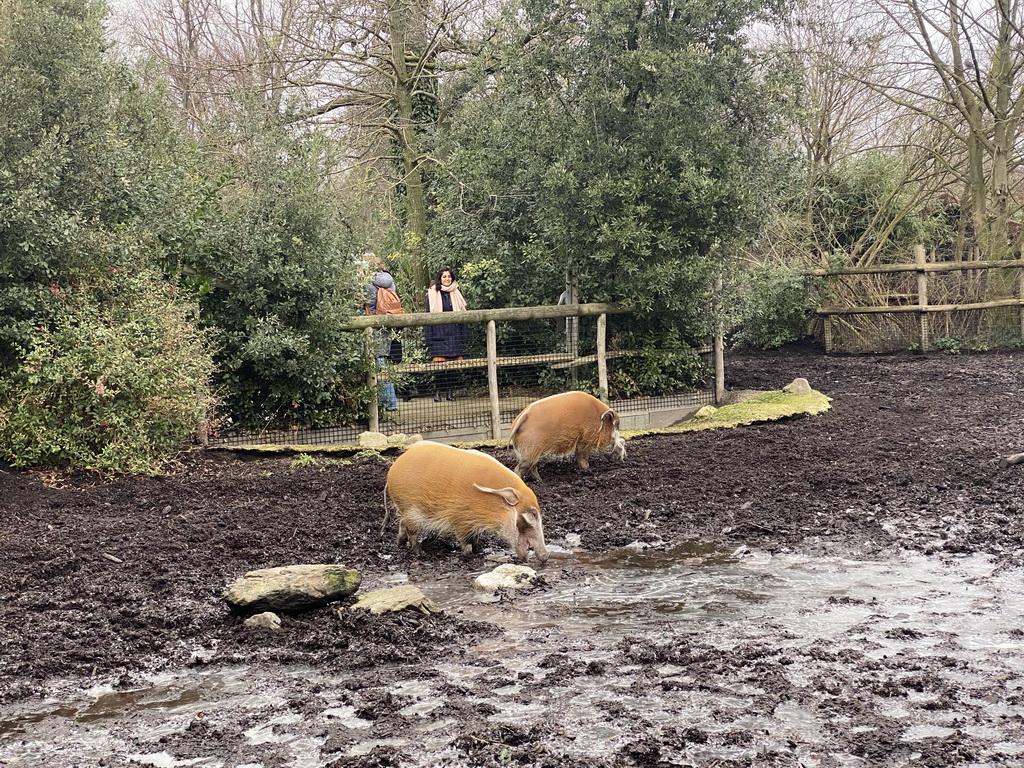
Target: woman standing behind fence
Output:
[{"x": 445, "y": 342}]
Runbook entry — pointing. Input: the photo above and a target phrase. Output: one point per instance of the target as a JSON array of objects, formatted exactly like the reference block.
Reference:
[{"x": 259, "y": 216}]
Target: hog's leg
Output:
[
  {"x": 525, "y": 467},
  {"x": 408, "y": 533},
  {"x": 583, "y": 457}
]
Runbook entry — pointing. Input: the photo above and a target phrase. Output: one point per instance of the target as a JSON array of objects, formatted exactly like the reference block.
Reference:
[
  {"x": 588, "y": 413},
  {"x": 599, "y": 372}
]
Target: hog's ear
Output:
[
  {"x": 611, "y": 417},
  {"x": 530, "y": 516},
  {"x": 510, "y": 495}
]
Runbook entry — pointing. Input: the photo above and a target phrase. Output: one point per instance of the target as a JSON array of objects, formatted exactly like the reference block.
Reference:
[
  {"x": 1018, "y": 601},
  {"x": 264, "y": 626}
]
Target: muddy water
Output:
[{"x": 564, "y": 658}]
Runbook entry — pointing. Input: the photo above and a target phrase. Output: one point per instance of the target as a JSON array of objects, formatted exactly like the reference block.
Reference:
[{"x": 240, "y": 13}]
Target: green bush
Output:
[
  {"x": 277, "y": 278},
  {"x": 657, "y": 372},
  {"x": 118, "y": 381},
  {"x": 92, "y": 172},
  {"x": 774, "y": 308}
]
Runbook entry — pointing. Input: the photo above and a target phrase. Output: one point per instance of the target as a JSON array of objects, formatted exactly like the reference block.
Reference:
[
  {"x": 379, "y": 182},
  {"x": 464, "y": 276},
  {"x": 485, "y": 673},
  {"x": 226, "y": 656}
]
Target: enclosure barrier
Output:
[
  {"x": 512, "y": 357},
  {"x": 568, "y": 357},
  {"x": 919, "y": 304},
  {"x": 370, "y": 323}
]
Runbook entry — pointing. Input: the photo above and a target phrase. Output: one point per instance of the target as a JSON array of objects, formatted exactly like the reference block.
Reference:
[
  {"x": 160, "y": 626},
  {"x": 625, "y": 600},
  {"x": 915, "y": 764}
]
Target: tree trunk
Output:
[{"x": 400, "y": 12}]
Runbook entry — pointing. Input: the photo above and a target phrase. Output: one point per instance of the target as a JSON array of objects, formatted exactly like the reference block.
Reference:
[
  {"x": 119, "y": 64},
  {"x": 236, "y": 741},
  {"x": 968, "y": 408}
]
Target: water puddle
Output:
[
  {"x": 922, "y": 606},
  {"x": 689, "y": 586}
]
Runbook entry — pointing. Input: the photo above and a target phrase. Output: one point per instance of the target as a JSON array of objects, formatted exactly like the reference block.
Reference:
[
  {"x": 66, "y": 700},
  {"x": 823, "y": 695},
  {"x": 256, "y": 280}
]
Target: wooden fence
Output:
[
  {"x": 559, "y": 360},
  {"x": 919, "y": 303}
]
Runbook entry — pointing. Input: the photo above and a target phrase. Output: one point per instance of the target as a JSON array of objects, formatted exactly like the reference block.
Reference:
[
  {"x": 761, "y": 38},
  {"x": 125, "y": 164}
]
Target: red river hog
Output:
[
  {"x": 564, "y": 425},
  {"x": 438, "y": 490}
]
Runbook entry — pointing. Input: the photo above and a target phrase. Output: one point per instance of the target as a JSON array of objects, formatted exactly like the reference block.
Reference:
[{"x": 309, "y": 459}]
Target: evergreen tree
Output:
[
  {"x": 625, "y": 143},
  {"x": 101, "y": 362}
]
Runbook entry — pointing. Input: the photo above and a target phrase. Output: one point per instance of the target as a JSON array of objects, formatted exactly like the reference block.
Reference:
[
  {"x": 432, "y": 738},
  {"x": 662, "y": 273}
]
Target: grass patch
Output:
[{"x": 768, "y": 406}]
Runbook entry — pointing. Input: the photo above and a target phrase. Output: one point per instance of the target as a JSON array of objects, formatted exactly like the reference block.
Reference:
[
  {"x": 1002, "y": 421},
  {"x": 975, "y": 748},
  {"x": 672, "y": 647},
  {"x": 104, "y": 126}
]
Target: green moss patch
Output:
[{"x": 768, "y": 406}]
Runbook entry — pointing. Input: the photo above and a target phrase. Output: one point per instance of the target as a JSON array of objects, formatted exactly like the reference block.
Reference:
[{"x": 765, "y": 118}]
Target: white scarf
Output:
[{"x": 434, "y": 298}]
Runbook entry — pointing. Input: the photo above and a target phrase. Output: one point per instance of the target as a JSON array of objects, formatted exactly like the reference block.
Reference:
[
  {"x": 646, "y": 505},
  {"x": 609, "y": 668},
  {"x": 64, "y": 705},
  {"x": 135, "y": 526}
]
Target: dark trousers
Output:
[{"x": 445, "y": 379}]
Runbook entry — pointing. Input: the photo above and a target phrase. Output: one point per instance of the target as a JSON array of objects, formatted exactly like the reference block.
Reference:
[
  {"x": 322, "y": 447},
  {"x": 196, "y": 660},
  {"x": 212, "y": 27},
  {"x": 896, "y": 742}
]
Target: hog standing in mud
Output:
[
  {"x": 563, "y": 425},
  {"x": 438, "y": 489}
]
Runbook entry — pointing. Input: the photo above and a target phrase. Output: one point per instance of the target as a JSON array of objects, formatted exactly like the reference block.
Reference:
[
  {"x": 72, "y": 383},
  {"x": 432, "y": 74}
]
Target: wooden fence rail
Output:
[{"x": 491, "y": 317}]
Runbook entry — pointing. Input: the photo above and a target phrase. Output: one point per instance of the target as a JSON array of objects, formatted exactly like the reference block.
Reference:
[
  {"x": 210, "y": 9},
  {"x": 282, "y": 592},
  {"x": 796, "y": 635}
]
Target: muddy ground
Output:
[{"x": 118, "y": 650}]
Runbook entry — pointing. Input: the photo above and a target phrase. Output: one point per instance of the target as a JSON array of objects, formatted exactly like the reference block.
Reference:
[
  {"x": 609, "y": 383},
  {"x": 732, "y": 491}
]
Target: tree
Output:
[
  {"x": 90, "y": 177},
  {"x": 273, "y": 258},
  {"x": 277, "y": 277},
  {"x": 101, "y": 362},
  {"x": 867, "y": 169},
  {"x": 622, "y": 144},
  {"x": 959, "y": 65},
  {"x": 366, "y": 72}
]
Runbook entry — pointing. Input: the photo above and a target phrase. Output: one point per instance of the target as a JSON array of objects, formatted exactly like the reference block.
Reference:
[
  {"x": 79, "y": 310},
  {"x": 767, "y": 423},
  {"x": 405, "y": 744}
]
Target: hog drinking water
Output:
[{"x": 439, "y": 490}]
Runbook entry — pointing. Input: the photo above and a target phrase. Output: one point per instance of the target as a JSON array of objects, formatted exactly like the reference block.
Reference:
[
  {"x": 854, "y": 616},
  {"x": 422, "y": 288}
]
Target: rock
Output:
[
  {"x": 798, "y": 387},
  {"x": 374, "y": 440},
  {"x": 396, "y": 599},
  {"x": 706, "y": 412},
  {"x": 643, "y": 546},
  {"x": 291, "y": 588},
  {"x": 265, "y": 620},
  {"x": 400, "y": 439},
  {"x": 1011, "y": 460},
  {"x": 507, "y": 576}
]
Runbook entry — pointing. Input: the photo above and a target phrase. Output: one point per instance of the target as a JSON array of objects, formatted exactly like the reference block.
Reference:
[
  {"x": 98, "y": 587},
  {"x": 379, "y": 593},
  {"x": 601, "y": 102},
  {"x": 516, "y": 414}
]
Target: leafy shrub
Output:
[
  {"x": 91, "y": 167},
  {"x": 277, "y": 279},
  {"x": 118, "y": 381},
  {"x": 774, "y": 308},
  {"x": 657, "y": 372},
  {"x": 950, "y": 344},
  {"x": 864, "y": 203}
]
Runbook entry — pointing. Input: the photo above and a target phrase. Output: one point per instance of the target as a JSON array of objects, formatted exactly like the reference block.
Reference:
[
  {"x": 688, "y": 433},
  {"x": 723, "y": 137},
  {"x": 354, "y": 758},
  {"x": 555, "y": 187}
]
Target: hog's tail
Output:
[{"x": 517, "y": 426}]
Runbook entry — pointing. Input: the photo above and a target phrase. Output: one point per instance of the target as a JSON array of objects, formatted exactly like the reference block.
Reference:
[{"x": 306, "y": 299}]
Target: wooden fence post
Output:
[
  {"x": 371, "y": 379},
  {"x": 829, "y": 330},
  {"x": 602, "y": 359},
  {"x": 719, "y": 345},
  {"x": 922, "y": 293},
  {"x": 492, "y": 379},
  {"x": 1020, "y": 296}
]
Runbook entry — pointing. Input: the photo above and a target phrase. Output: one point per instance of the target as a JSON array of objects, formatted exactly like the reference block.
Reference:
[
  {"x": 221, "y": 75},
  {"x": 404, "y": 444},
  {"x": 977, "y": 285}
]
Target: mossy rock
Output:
[{"x": 291, "y": 588}]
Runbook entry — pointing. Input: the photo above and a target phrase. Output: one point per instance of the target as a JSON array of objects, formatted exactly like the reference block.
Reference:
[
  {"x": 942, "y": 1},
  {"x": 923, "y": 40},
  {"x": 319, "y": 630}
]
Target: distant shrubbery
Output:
[
  {"x": 775, "y": 305},
  {"x": 141, "y": 266}
]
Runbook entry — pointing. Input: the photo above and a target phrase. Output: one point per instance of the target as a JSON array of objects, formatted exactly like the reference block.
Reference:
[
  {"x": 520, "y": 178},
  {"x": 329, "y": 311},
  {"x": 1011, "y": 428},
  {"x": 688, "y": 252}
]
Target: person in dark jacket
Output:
[
  {"x": 382, "y": 279},
  {"x": 445, "y": 342}
]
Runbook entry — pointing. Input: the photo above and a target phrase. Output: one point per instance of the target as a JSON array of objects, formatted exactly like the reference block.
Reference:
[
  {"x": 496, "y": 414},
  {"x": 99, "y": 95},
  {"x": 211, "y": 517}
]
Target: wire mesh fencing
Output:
[
  {"x": 944, "y": 306},
  {"x": 507, "y": 363}
]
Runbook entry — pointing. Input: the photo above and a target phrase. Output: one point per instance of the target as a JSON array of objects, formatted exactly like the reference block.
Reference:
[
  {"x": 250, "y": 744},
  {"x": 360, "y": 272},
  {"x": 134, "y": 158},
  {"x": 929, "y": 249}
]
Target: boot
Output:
[
  {"x": 437, "y": 395},
  {"x": 450, "y": 395}
]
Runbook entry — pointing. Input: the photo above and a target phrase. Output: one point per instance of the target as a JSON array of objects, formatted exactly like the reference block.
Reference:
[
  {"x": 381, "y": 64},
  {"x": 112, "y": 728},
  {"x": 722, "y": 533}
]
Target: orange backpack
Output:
[{"x": 388, "y": 302}]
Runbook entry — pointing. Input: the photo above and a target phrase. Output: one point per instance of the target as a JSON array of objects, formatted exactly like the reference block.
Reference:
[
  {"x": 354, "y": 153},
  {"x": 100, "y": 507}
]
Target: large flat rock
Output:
[{"x": 291, "y": 588}]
